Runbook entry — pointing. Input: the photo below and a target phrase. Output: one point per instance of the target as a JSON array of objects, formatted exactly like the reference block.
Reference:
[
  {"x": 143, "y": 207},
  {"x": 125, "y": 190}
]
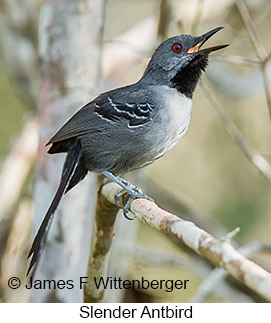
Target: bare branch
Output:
[
  {"x": 220, "y": 253},
  {"x": 17, "y": 165},
  {"x": 70, "y": 50},
  {"x": 101, "y": 239},
  {"x": 164, "y": 19},
  {"x": 253, "y": 155},
  {"x": 216, "y": 277},
  {"x": 253, "y": 35},
  {"x": 239, "y": 60},
  {"x": 258, "y": 46},
  {"x": 267, "y": 83},
  {"x": 192, "y": 262},
  {"x": 229, "y": 236}
]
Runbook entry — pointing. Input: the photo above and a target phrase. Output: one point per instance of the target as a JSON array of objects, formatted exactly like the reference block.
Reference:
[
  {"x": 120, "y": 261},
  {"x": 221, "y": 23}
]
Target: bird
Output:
[{"x": 129, "y": 127}]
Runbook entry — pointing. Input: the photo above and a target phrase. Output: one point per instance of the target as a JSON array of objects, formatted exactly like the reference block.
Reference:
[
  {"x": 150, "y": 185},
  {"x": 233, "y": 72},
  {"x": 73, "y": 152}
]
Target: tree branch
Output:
[
  {"x": 253, "y": 155},
  {"x": 258, "y": 47},
  {"x": 164, "y": 19},
  {"x": 220, "y": 253},
  {"x": 70, "y": 49},
  {"x": 217, "y": 275},
  {"x": 17, "y": 165},
  {"x": 101, "y": 239},
  {"x": 253, "y": 35}
]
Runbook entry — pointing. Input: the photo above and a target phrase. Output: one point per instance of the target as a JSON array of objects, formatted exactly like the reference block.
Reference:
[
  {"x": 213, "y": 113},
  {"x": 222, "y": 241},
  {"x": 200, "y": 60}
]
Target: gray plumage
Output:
[
  {"x": 119, "y": 144},
  {"x": 130, "y": 127}
]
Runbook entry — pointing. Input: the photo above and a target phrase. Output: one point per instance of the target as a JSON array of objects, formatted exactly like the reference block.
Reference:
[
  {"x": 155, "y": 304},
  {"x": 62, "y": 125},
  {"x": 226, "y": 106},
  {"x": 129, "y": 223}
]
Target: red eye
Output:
[{"x": 177, "y": 48}]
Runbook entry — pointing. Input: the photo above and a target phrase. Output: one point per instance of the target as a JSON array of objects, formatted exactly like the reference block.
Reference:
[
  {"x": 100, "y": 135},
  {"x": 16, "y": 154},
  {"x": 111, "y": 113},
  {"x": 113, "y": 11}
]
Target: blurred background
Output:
[{"x": 218, "y": 176}]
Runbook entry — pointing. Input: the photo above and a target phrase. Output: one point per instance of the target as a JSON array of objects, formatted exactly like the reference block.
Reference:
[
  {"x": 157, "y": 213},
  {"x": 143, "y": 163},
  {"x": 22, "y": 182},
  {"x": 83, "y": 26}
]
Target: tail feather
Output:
[
  {"x": 69, "y": 168},
  {"x": 79, "y": 174}
]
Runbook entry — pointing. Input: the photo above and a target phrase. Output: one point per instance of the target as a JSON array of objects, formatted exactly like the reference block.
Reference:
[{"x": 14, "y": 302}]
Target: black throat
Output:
[{"x": 185, "y": 81}]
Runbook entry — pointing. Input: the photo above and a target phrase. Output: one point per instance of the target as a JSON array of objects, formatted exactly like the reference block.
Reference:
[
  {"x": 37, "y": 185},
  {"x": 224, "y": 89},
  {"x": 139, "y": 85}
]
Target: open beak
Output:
[{"x": 200, "y": 40}]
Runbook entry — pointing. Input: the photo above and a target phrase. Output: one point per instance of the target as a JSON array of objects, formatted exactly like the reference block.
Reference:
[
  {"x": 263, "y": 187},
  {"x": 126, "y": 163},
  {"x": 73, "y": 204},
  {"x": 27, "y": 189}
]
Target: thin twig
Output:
[
  {"x": 157, "y": 257},
  {"x": 216, "y": 277},
  {"x": 233, "y": 59},
  {"x": 268, "y": 57},
  {"x": 192, "y": 263},
  {"x": 229, "y": 236},
  {"x": 267, "y": 84},
  {"x": 164, "y": 19},
  {"x": 253, "y": 35},
  {"x": 253, "y": 155},
  {"x": 208, "y": 285},
  {"x": 258, "y": 46},
  {"x": 220, "y": 253}
]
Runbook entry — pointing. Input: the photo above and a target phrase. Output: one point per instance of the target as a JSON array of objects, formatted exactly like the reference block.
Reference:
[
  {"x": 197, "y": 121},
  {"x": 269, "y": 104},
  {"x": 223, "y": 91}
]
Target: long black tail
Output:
[{"x": 69, "y": 168}]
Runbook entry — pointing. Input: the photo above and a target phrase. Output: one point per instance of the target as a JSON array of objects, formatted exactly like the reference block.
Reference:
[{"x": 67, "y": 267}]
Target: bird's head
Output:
[{"x": 179, "y": 61}]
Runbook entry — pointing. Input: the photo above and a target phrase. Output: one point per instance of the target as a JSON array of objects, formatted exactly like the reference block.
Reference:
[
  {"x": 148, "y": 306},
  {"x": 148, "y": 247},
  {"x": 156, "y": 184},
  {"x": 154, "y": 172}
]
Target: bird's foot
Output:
[
  {"x": 131, "y": 190},
  {"x": 133, "y": 193}
]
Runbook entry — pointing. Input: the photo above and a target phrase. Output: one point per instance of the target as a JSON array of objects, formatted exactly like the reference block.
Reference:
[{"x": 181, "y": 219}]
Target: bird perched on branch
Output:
[{"x": 129, "y": 127}]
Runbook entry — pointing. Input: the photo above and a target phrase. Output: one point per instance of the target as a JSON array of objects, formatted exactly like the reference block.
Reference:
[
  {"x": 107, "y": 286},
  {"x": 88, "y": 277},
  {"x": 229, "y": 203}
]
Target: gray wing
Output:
[
  {"x": 126, "y": 105},
  {"x": 80, "y": 123}
]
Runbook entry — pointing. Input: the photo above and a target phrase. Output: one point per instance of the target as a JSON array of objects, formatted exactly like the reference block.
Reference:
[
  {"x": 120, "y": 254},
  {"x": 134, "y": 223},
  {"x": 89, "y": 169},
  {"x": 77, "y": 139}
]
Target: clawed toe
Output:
[
  {"x": 118, "y": 196},
  {"x": 126, "y": 207},
  {"x": 133, "y": 193},
  {"x": 131, "y": 190}
]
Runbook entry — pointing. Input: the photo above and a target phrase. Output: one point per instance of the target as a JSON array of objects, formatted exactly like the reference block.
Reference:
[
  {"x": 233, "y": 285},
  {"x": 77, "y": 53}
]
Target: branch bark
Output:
[
  {"x": 216, "y": 277},
  {"x": 102, "y": 235},
  {"x": 220, "y": 253},
  {"x": 70, "y": 48}
]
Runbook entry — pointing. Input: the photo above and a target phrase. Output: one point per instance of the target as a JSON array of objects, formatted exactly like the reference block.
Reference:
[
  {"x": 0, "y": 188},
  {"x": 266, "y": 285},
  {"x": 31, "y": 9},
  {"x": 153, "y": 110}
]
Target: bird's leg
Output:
[{"x": 132, "y": 190}]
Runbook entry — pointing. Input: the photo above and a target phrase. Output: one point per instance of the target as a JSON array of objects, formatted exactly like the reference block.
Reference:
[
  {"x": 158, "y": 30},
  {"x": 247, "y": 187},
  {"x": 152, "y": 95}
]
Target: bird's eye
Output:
[{"x": 177, "y": 48}]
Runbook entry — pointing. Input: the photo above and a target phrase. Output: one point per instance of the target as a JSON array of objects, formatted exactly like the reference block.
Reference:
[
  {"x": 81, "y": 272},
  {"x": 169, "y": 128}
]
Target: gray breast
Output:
[{"x": 170, "y": 122}]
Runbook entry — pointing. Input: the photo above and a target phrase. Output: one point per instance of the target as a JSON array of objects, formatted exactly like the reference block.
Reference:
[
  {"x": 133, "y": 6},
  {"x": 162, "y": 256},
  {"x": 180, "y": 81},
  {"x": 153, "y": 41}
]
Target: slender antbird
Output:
[{"x": 129, "y": 127}]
